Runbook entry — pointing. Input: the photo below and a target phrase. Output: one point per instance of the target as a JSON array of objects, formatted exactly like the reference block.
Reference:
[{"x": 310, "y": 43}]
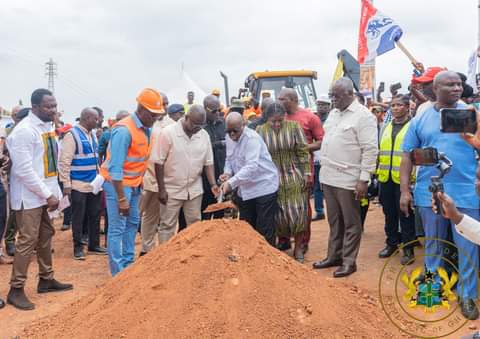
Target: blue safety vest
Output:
[{"x": 85, "y": 161}]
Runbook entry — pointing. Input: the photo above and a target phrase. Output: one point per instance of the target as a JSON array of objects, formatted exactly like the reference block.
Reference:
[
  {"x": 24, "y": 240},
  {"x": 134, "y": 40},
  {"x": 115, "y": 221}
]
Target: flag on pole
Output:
[
  {"x": 338, "y": 71},
  {"x": 472, "y": 70},
  {"x": 378, "y": 33}
]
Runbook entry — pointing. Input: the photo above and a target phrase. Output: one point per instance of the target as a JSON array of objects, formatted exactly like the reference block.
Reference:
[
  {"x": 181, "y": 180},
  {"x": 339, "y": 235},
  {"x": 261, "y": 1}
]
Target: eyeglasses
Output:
[
  {"x": 216, "y": 110},
  {"x": 233, "y": 131}
]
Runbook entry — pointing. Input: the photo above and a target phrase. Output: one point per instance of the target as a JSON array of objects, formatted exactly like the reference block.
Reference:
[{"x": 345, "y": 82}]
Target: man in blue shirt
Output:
[
  {"x": 123, "y": 171},
  {"x": 459, "y": 183},
  {"x": 249, "y": 169}
]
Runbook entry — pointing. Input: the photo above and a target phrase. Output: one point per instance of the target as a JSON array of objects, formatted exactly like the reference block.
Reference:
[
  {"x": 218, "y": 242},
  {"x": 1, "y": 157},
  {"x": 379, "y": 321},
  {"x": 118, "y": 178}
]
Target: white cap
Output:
[{"x": 324, "y": 98}]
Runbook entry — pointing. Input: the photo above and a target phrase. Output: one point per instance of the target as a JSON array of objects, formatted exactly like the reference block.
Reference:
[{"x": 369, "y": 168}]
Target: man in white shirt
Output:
[
  {"x": 249, "y": 169},
  {"x": 34, "y": 192},
  {"x": 348, "y": 157},
  {"x": 181, "y": 154},
  {"x": 149, "y": 203}
]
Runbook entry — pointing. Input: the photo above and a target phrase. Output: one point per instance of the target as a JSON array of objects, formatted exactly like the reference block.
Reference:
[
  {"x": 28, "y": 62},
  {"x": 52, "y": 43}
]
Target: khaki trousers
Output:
[
  {"x": 343, "y": 213},
  {"x": 169, "y": 212},
  {"x": 35, "y": 232},
  {"x": 150, "y": 210}
]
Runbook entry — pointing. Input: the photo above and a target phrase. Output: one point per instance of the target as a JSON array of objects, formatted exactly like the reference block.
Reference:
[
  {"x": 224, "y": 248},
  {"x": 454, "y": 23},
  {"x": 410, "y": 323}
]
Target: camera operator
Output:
[{"x": 424, "y": 131}]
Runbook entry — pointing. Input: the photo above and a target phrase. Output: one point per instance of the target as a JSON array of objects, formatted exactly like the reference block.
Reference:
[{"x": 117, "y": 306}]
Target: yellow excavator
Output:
[{"x": 270, "y": 83}]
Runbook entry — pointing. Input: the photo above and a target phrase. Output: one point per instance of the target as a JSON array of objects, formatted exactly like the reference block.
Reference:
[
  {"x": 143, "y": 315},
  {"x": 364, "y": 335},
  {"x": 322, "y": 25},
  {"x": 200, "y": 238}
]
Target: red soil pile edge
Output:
[{"x": 219, "y": 278}]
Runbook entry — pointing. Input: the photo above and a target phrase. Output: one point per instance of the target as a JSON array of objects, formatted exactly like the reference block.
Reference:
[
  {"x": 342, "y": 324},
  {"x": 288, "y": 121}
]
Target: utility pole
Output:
[{"x": 51, "y": 73}]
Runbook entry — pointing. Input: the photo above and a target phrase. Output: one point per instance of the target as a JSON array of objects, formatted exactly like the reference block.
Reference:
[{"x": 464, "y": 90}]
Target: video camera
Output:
[{"x": 429, "y": 156}]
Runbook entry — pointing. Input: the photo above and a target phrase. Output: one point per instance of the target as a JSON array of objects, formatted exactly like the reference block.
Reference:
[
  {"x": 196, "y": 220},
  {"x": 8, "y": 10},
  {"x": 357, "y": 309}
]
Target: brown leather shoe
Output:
[
  {"x": 17, "y": 298},
  {"x": 326, "y": 263},
  {"x": 45, "y": 286},
  {"x": 4, "y": 260},
  {"x": 345, "y": 271}
]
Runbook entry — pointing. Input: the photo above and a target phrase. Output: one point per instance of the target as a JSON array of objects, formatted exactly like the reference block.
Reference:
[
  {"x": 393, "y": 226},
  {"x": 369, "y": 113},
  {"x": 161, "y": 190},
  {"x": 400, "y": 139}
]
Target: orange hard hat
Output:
[
  {"x": 152, "y": 100},
  {"x": 216, "y": 91}
]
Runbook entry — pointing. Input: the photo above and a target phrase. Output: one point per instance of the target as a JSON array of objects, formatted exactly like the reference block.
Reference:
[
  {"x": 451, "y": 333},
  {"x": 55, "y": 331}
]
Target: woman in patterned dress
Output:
[{"x": 288, "y": 147}]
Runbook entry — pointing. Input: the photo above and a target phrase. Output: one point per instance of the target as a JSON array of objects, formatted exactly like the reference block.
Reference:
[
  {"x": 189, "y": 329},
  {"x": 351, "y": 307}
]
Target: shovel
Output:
[{"x": 219, "y": 205}]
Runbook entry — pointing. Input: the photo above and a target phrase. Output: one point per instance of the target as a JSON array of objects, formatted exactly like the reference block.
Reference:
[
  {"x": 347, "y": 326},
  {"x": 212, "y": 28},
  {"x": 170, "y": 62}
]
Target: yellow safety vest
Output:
[{"x": 390, "y": 156}]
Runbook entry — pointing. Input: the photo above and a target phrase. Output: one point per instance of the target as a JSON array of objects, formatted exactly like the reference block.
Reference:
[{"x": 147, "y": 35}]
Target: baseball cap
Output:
[
  {"x": 152, "y": 100},
  {"x": 324, "y": 98},
  {"x": 237, "y": 105},
  {"x": 428, "y": 75},
  {"x": 175, "y": 108}
]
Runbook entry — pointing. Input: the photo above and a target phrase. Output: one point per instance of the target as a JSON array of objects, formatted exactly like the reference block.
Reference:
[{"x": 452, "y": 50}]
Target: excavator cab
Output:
[{"x": 270, "y": 83}]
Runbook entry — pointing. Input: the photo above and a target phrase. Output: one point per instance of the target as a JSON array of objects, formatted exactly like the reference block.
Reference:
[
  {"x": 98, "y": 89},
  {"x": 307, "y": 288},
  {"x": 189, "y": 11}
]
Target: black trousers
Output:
[
  {"x": 86, "y": 208},
  {"x": 390, "y": 200},
  {"x": 261, "y": 213},
  {"x": 3, "y": 211}
]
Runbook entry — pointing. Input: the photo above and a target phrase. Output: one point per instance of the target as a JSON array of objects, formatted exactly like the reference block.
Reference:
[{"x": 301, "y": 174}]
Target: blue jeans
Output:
[
  {"x": 121, "y": 230},
  {"x": 437, "y": 227},
  {"x": 317, "y": 192}
]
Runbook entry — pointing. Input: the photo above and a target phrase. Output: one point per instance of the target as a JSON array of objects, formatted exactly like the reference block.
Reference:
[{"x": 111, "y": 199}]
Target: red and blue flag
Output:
[{"x": 378, "y": 33}]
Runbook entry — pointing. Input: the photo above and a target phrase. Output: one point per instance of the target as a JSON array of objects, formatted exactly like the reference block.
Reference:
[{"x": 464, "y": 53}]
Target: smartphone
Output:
[
  {"x": 455, "y": 120},
  {"x": 395, "y": 87},
  {"x": 381, "y": 88},
  {"x": 427, "y": 156}
]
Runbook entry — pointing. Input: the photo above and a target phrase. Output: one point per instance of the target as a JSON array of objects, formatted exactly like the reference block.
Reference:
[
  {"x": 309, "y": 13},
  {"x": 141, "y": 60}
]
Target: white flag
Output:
[{"x": 472, "y": 71}]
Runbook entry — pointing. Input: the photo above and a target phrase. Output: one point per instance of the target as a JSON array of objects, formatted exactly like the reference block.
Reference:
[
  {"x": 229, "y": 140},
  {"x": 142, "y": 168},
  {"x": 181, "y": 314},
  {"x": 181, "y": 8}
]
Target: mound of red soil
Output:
[{"x": 219, "y": 279}]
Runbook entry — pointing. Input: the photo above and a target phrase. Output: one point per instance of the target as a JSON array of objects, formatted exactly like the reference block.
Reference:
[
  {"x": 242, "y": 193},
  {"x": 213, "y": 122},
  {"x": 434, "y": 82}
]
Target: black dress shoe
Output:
[
  {"x": 387, "y": 251},
  {"x": 325, "y": 263},
  {"x": 45, "y": 286},
  {"x": 78, "y": 254},
  {"x": 345, "y": 271},
  {"x": 98, "y": 250},
  {"x": 2, "y": 303},
  {"x": 469, "y": 309},
  {"x": 10, "y": 249},
  {"x": 408, "y": 256},
  {"x": 284, "y": 246}
]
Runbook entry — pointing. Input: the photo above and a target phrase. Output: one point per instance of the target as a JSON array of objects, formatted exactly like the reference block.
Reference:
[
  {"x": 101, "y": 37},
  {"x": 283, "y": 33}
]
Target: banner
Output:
[{"x": 367, "y": 79}]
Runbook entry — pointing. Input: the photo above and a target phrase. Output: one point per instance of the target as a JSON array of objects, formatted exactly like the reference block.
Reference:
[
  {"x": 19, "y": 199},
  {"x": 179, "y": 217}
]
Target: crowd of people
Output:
[{"x": 155, "y": 170}]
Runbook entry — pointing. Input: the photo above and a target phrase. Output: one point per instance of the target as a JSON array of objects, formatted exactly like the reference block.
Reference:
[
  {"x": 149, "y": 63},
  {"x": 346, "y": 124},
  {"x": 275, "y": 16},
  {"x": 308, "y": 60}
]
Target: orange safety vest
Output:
[{"x": 135, "y": 163}]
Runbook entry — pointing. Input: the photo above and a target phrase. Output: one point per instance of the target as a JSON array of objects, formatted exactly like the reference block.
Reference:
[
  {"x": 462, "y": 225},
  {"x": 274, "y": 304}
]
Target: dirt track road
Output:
[{"x": 93, "y": 272}]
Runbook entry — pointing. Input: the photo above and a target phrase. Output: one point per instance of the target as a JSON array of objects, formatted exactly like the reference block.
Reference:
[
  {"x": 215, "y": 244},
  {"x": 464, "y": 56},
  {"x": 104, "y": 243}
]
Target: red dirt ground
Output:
[{"x": 190, "y": 288}]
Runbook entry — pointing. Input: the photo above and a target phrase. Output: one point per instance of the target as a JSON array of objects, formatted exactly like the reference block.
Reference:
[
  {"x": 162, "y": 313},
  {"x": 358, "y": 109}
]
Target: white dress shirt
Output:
[
  {"x": 250, "y": 165},
  {"x": 349, "y": 148},
  {"x": 183, "y": 159},
  {"x": 33, "y": 151}
]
